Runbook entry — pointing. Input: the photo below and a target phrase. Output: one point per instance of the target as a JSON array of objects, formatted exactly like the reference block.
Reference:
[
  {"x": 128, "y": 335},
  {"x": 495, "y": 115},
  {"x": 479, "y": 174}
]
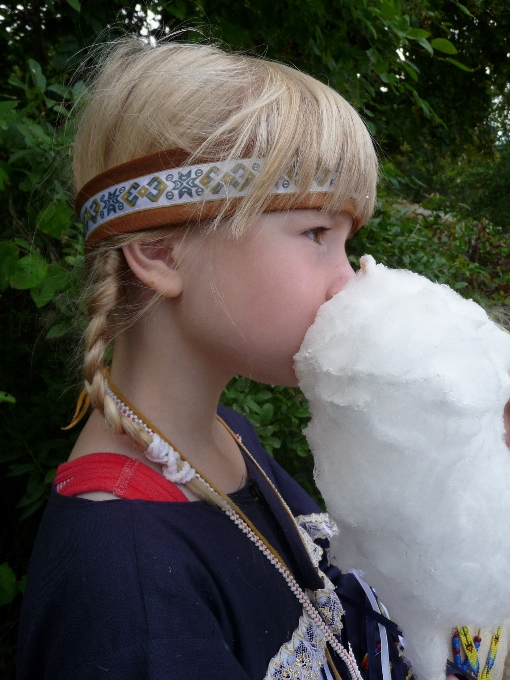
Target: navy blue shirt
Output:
[{"x": 146, "y": 590}]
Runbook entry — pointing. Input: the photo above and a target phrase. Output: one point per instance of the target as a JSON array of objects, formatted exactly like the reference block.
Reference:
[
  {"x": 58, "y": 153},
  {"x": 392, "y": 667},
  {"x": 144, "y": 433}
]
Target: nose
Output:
[{"x": 344, "y": 273}]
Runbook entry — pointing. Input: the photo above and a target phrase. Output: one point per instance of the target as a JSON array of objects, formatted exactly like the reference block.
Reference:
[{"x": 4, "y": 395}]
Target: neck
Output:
[
  {"x": 176, "y": 387},
  {"x": 170, "y": 385}
]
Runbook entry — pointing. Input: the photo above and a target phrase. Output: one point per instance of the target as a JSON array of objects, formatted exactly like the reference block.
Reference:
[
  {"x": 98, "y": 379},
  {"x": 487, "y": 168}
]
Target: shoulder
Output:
[
  {"x": 80, "y": 541},
  {"x": 123, "y": 571}
]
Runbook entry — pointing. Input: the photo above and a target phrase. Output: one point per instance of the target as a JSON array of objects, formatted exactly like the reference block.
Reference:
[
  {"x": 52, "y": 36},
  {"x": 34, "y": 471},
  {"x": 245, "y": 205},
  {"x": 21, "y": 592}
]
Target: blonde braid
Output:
[{"x": 105, "y": 292}]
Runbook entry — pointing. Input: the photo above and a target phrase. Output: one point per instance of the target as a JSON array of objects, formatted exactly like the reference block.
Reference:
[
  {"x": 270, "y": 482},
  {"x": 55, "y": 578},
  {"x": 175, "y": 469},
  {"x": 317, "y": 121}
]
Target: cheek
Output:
[
  {"x": 253, "y": 306},
  {"x": 282, "y": 306},
  {"x": 282, "y": 290}
]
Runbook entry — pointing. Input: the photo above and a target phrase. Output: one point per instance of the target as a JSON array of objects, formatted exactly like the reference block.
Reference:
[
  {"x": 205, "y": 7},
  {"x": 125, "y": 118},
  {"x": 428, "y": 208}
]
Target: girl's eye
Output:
[{"x": 316, "y": 234}]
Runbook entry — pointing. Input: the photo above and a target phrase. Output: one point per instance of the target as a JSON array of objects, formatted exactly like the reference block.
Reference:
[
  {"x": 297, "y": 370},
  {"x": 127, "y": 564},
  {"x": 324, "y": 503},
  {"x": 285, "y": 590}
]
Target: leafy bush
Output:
[{"x": 481, "y": 189}]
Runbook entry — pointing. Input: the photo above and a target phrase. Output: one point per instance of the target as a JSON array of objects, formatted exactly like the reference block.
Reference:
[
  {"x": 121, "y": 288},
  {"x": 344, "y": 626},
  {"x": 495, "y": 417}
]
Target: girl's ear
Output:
[{"x": 153, "y": 264}]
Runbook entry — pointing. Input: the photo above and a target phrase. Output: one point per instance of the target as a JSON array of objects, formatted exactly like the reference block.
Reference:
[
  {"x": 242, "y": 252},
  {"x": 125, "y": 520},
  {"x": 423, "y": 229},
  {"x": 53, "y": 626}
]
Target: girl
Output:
[{"x": 217, "y": 192}]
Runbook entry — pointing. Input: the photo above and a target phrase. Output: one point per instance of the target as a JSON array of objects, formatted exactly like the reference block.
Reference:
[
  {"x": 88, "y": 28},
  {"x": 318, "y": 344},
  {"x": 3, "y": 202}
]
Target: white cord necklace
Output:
[{"x": 165, "y": 454}]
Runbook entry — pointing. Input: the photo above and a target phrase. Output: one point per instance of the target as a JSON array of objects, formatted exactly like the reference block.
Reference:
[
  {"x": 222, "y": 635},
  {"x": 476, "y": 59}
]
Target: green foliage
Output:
[
  {"x": 391, "y": 59},
  {"x": 471, "y": 256},
  {"x": 42, "y": 250},
  {"x": 9, "y": 585},
  {"x": 481, "y": 189},
  {"x": 4, "y": 396}
]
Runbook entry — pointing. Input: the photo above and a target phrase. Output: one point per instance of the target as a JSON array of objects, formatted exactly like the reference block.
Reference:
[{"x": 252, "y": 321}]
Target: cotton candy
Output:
[{"x": 407, "y": 382}]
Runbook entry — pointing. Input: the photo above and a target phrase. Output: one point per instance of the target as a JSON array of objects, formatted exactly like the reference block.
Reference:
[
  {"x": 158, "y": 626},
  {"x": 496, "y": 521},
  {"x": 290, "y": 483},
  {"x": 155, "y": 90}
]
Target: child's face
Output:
[{"x": 252, "y": 301}]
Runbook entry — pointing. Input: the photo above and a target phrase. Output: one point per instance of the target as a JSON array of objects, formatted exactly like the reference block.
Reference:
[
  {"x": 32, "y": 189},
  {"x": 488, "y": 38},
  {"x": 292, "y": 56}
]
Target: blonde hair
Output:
[{"x": 216, "y": 106}]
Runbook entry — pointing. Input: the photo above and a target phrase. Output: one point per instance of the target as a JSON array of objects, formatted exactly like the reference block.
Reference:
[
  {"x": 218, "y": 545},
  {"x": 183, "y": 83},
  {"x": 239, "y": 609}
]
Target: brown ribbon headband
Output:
[{"x": 162, "y": 189}]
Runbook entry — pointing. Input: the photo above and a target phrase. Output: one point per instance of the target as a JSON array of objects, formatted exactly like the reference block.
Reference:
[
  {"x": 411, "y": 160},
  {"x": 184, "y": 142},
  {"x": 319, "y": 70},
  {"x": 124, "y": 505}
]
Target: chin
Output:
[{"x": 277, "y": 376}]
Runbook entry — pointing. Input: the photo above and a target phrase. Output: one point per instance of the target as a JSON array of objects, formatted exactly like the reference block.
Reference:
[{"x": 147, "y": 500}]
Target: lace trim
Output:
[
  {"x": 303, "y": 657},
  {"x": 328, "y": 605},
  {"x": 314, "y": 550},
  {"x": 318, "y": 525}
]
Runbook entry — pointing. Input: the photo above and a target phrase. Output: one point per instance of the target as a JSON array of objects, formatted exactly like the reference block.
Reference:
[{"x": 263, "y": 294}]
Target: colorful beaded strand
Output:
[
  {"x": 491, "y": 658},
  {"x": 471, "y": 651},
  {"x": 456, "y": 648}
]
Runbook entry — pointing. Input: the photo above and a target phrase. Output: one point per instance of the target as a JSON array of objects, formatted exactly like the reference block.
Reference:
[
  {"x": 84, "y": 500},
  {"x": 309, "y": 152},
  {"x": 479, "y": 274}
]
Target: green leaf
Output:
[
  {"x": 54, "y": 218},
  {"x": 7, "y": 113},
  {"x": 60, "y": 109},
  {"x": 60, "y": 89},
  {"x": 425, "y": 43},
  {"x": 7, "y": 107},
  {"x": 178, "y": 9},
  {"x": 31, "y": 496},
  {"x": 4, "y": 396},
  {"x": 75, "y": 4},
  {"x": 463, "y": 67},
  {"x": 16, "y": 470},
  {"x": 274, "y": 442},
  {"x": 410, "y": 71},
  {"x": 417, "y": 33},
  {"x": 370, "y": 127},
  {"x": 8, "y": 584},
  {"x": 33, "y": 134},
  {"x": 37, "y": 74},
  {"x": 29, "y": 271},
  {"x": 57, "y": 331},
  {"x": 388, "y": 10},
  {"x": 25, "y": 245},
  {"x": 8, "y": 259},
  {"x": 50, "y": 475},
  {"x": 17, "y": 83},
  {"x": 57, "y": 278},
  {"x": 266, "y": 413},
  {"x": 465, "y": 10},
  {"x": 443, "y": 45},
  {"x": 252, "y": 405}
]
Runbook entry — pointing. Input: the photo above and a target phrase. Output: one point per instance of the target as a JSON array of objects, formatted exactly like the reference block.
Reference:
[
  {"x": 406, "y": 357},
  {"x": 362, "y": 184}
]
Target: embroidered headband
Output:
[{"x": 162, "y": 190}]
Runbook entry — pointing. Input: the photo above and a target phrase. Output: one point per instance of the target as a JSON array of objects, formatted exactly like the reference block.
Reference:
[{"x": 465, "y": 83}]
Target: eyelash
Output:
[{"x": 316, "y": 234}]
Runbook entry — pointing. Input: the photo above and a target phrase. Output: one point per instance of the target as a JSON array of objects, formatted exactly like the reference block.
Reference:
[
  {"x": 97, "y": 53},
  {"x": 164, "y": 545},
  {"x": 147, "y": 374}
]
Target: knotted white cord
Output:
[{"x": 158, "y": 451}]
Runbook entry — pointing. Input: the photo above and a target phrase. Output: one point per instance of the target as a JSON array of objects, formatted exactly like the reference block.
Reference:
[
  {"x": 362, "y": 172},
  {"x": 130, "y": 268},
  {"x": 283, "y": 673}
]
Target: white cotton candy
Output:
[{"x": 407, "y": 383}]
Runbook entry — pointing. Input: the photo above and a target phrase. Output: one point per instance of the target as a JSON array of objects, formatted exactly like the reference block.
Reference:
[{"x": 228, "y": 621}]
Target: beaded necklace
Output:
[
  {"x": 471, "y": 647},
  {"x": 240, "y": 520}
]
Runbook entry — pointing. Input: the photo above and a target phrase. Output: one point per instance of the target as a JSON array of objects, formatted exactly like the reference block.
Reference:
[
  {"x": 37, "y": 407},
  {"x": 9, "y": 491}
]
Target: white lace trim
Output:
[
  {"x": 318, "y": 525},
  {"x": 328, "y": 605},
  {"x": 303, "y": 657},
  {"x": 314, "y": 550}
]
